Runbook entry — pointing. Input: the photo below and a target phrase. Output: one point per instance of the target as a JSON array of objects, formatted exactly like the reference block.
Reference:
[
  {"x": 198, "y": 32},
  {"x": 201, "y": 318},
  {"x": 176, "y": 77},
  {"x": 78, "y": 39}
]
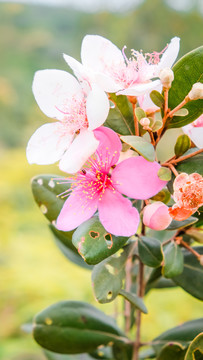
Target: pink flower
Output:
[
  {"x": 78, "y": 111},
  {"x": 188, "y": 195},
  {"x": 156, "y": 216},
  {"x": 100, "y": 186},
  {"x": 108, "y": 66},
  {"x": 195, "y": 131}
]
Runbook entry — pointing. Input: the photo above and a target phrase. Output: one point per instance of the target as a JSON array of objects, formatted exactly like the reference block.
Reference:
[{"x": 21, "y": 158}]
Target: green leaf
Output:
[
  {"x": 73, "y": 327},
  {"x": 120, "y": 118},
  {"x": 103, "y": 353},
  {"x": 196, "y": 345},
  {"x": 171, "y": 351},
  {"x": 150, "y": 251},
  {"x": 63, "y": 240},
  {"x": 134, "y": 300},
  {"x": 175, "y": 224},
  {"x": 183, "y": 143},
  {"x": 147, "y": 354},
  {"x": 182, "y": 334},
  {"x": 187, "y": 71},
  {"x": 139, "y": 113},
  {"x": 164, "y": 173},
  {"x": 156, "y": 125},
  {"x": 94, "y": 243},
  {"x": 142, "y": 146},
  {"x": 108, "y": 275},
  {"x": 54, "y": 356},
  {"x": 196, "y": 234},
  {"x": 193, "y": 164},
  {"x": 122, "y": 351},
  {"x": 181, "y": 112},
  {"x": 157, "y": 98},
  {"x": 191, "y": 279},
  {"x": 163, "y": 196},
  {"x": 173, "y": 260},
  {"x": 45, "y": 190}
]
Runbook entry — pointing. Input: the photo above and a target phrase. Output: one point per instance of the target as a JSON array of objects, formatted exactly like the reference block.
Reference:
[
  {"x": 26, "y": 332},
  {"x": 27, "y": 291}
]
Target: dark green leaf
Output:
[
  {"x": 164, "y": 173},
  {"x": 103, "y": 353},
  {"x": 191, "y": 279},
  {"x": 122, "y": 351},
  {"x": 181, "y": 224},
  {"x": 193, "y": 164},
  {"x": 196, "y": 345},
  {"x": 182, "y": 334},
  {"x": 73, "y": 327},
  {"x": 120, "y": 118},
  {"x": 157, "y": 98},
  {"x": 183, "y": 143},
  {"x": 53, "y": 356},
  {"x": 63, "y": 240},
  {"x": 187, "y": 71},
  {"x": 173, "y": 260},
  {"x": 108, "y": 275},
  {"x": 94, "y": 243},
  {"x": 45, "y": 190},
  {"x": 140, "y": 145},
  {"x": 172, "y": 351},
  {"x": 150, "y": 251},
  {"x": 134, "y": 300}
]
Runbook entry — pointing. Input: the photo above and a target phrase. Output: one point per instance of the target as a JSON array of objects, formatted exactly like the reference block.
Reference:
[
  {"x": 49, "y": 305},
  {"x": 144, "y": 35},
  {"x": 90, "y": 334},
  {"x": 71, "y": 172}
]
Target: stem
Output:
[
  {"x": 166, "y": 101},
  {"x": 175, "y": 161},
  {"x": 180, "y": 241},
  {"x": 136, "y": 123},
  {"x": 173, "y": 169},
  {"x": 128, "y": 287},
  {"x": 172, "y": 112},
  {"x": 140, "y": 293}
]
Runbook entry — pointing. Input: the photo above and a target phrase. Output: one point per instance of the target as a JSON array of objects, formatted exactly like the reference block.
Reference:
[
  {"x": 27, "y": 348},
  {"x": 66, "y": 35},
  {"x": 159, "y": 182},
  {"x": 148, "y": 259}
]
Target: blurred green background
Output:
[{"x": 33, "y": 272}]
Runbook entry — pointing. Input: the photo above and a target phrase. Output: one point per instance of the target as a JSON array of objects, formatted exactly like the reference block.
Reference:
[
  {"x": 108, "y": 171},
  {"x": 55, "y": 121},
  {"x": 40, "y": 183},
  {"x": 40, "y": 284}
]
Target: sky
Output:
[{"x": 112, "y": 5}]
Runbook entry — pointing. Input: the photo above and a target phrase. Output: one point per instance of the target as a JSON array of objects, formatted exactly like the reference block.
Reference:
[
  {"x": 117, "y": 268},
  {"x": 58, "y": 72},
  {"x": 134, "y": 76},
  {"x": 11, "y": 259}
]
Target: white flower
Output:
[
  {"x": 108, "y": 66},
  {"x": 71, "y": 139},
  {"x": 195, "y": 131}
]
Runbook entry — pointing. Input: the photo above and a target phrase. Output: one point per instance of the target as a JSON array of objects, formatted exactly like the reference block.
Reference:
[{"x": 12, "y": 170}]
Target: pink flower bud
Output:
[
  {"x": 196, "y": 92},
  {"x": 156, "y": 216}
]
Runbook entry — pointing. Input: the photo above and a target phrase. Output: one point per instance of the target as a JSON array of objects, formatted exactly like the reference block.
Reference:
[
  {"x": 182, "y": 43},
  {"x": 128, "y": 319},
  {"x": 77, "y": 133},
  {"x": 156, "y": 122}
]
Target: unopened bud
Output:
[
  {"x": 156, "y": 216},
  {"x": 196, "y": 92},
  {"x": 145, "y": 121},
  {"x": 166, "y": 76}
]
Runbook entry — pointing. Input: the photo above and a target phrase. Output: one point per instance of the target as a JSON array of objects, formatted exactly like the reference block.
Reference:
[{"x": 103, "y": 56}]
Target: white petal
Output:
[
  {"x": 170, "y": 54},
  {"x": 145, "y": 101},
  {"x": 53, "y": 89},
  {"x": 195, "y": 134},
  {"x": 83, "y": 146},
  {"x": 107, "y": 83},
  {"x": 140, "y": 89},
  {"x": 48, "y": 144},
  {"x": 82, "y": 73},
  {"x": 98, "y": 52},
  {"x": 97, "y": 107}
]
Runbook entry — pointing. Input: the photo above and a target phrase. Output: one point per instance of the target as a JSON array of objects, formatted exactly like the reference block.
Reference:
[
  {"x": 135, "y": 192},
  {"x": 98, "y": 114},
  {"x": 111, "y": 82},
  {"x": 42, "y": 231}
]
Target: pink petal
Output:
[
  {"x": 169, "y": 56},
  {"x": 53, "y": 89},
  {"x": 97, "y": 52},
  {"x": 140, "y": 89},
  {"x": 83, "y": 146},
  {"x": 109, "y": 145},
  {"x": 75, "y": 211},
  {"x": 137, "y": 178},
  {"x": 97, "y": 107},
  {"x": 48, "y": 144},
  {"x": 117, "y": 214}
]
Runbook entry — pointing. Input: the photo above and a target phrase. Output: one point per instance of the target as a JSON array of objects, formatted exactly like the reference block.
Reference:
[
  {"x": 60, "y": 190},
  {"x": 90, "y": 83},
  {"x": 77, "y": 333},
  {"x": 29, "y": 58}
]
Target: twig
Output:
[
  {"x": 180, "y": 241},
  {"x": 136, "y": 123},
  {"x": 128, "y": 287},
  {"x": 182, "y": 158}
]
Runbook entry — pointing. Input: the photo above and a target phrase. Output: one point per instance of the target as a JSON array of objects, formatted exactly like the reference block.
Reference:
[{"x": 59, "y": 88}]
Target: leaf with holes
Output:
[
  {"x": 94, "y": 243},
  {"x": 107, "y": 277},
  {"x": 150, "y": 251},
  {"x": 120, "y": 118},
  {"x": 187, "y": 71},
  {"x": 183, "y": 334},
  {"x": 191, "y": 279},
  {"x": 195, "y": 347},
  {"x": 45, "y": 189},
  {"x": 140, "y": 145},
  {"x": 63, "y": 240},
  {"x": 134, "y": 300},
  {"x": 73, "y": 327},
  {"x": 173, "y": 260}
]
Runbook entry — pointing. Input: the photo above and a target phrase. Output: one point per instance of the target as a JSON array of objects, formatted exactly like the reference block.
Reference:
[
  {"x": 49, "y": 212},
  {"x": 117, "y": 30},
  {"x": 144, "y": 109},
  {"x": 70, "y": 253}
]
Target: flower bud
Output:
[
  {"x": 196, "y": 92},
  {"x": 166, "y": 76},
  {"x": 145, "y": 121},
  {"x": 156, "y": 216}
]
